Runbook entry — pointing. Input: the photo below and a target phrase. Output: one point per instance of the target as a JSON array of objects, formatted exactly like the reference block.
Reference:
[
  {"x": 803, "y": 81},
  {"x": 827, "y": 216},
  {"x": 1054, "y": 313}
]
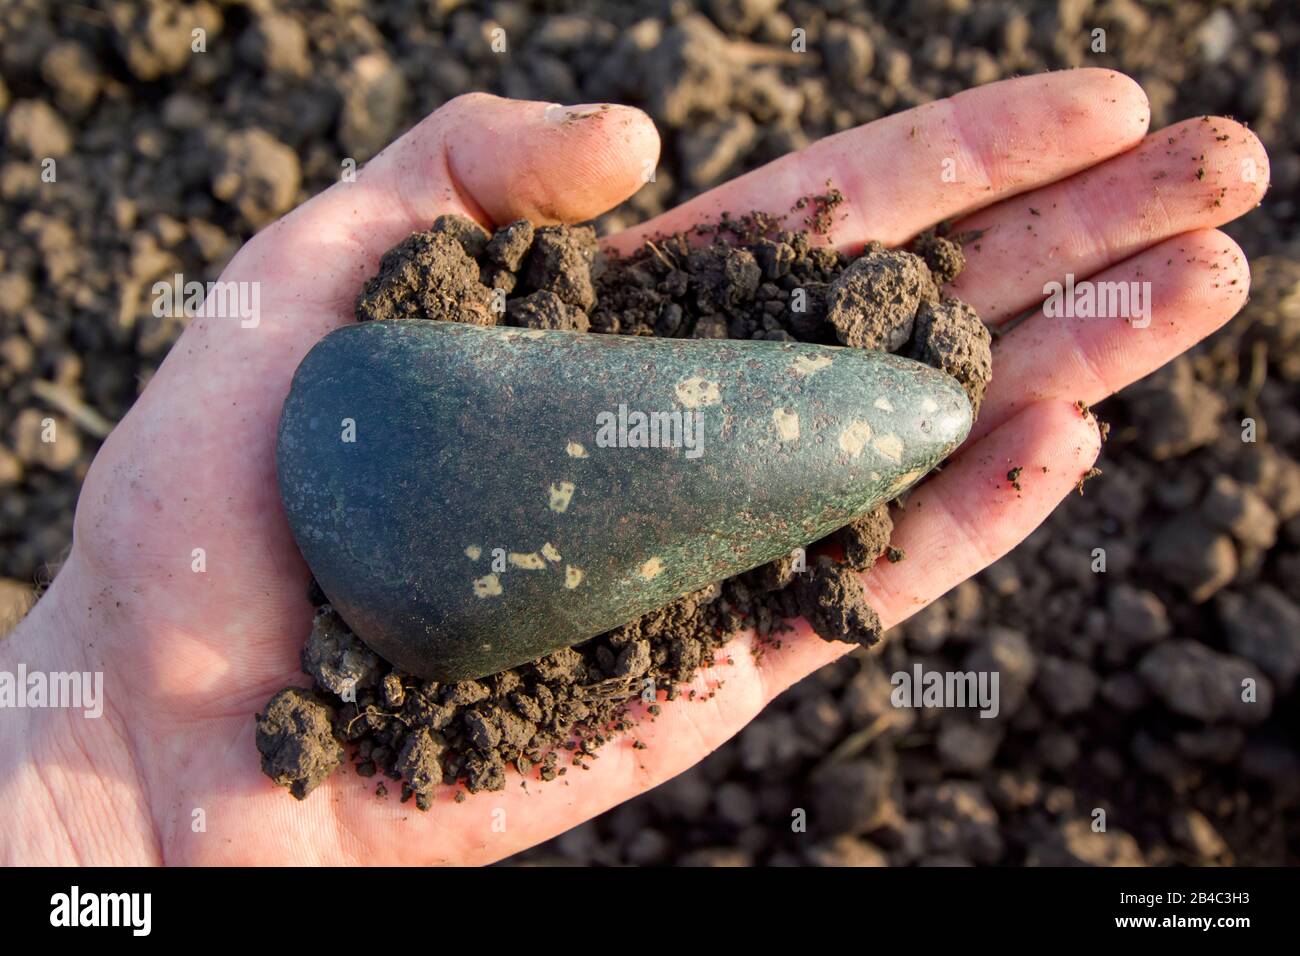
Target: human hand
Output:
[{"x": 1053, "y": 169}]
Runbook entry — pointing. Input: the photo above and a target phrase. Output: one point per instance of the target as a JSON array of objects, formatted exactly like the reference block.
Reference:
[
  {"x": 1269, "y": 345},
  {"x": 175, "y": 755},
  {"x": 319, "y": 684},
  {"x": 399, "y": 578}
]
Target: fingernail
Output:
[{"x": 557, "y": 113}]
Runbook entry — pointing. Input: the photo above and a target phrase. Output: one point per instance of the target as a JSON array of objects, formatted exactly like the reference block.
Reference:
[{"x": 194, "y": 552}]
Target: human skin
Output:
[{"x": 188, "y": 658}]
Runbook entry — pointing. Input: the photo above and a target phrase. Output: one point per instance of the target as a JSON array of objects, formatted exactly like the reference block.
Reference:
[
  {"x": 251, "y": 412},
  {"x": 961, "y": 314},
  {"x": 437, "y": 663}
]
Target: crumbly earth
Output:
[
  {"x": 322, "y": 83},
  {"x": 873, "y": 303},
  {"x": 748, "y": 278},
  {"x": 539, "y": 719},
  {"x": 296, "y": 737},
  {"x": 832, "y": 601},
  {"x": 949, "y": 335},
  {"x": 866, "y": 538},
  {"x": 430, "y": 275}
]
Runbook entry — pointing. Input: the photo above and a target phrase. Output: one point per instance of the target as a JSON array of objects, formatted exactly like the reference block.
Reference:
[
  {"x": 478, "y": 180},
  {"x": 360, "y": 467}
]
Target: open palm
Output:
[{"x": 1057, "y": 173}]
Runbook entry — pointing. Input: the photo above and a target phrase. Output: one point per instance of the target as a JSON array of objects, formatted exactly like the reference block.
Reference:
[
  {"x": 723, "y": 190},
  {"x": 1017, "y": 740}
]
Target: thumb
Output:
[
  {"x": 546, "y": 162},
  {"x": 491, "y": 159}
]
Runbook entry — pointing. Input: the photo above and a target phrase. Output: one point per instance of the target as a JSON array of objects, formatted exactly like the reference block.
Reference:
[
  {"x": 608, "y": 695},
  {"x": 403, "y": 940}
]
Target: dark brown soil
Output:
[
  {"x": 867, "y": 538},
  {"x": 428, "y": 276},
  {"x": 744, "y": 279},
  {"x": 296, "y": 737},
  {"x": 831, "y": 599}
]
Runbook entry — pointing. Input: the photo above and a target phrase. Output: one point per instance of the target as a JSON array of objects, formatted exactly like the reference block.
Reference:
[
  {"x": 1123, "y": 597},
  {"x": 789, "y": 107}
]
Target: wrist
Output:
[{"x": 67, "y": 774}]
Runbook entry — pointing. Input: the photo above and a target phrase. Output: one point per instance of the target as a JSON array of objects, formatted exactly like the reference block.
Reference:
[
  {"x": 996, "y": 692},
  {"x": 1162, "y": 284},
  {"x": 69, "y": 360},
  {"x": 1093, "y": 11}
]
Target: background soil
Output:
[{"x": 167, "y": 161}]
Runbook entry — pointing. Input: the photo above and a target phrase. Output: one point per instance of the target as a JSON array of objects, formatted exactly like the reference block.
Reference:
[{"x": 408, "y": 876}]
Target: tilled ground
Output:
[{"x": 167, "y": 160}]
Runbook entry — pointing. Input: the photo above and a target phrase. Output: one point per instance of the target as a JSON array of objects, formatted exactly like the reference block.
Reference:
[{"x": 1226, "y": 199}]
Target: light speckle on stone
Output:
[
  {"x": 697, "y": 392},
  {"x": 561, "y": 495},
  {"x": 573, "y": 576},
  {"x": 787, "y": 424},
  {"x": 473, "y": 552},
  {"x": 488, "y": 586},
  {"x": 929, "y": 405},
  {"x": 807, "y": 364},
  {"x": 548, "y": 550},
  {"x": 528, "y": 562},
  {"x": 575, "y": 450},
  {"x": 884, "y": 404},
  {"x": 651, "y": 569},
  {"x": 855, "y": 437},
  {"x": 891, "y": 446},
  {"x": 904, "y": 481}
]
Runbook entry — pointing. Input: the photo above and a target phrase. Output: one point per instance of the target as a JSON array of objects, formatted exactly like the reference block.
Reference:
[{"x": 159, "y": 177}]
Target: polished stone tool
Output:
[{"x": 472, "y": 498}]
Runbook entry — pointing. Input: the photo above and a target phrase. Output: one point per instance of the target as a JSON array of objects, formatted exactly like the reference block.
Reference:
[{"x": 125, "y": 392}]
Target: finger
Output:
[
  {"x": 1194, "y": 283},
  {"x": 954, "y": 525},
  {"x": 491, "y": 159},
  {"x": 1197, "y": 174},
  {"x": 908, "y": 171}
]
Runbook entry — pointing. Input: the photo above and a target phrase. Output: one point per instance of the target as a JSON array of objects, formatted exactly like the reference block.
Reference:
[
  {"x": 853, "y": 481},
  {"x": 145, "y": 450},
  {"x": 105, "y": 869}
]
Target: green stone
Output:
[{"x": 468, "y": 502}]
